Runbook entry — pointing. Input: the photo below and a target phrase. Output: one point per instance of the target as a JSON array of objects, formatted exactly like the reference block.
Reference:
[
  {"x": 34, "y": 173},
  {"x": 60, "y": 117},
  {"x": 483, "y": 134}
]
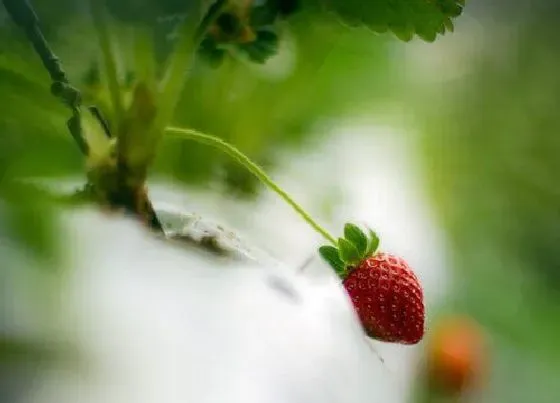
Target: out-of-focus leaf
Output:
[
  {"x": 404, "y": 18},
  {"x": 147, "y": 11},
  {"x": 210, "y": 52},
  {"x": 334, "y": 72},
  {"x": 264, "y": 47},
  {"x": 28, "y": 219},
  {"x": 15, "y": 351}
]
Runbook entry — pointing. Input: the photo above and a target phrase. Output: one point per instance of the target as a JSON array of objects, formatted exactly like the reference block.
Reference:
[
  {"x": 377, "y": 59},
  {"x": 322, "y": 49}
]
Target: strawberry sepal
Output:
[
  {"x": 353, "y": 248},
  {"x": 357, "y": 237},
  {"x": 331, "y": 255}
]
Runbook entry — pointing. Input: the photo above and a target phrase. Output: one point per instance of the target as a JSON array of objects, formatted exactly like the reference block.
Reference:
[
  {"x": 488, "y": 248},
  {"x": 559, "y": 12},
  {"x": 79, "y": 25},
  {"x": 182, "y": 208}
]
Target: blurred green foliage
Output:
[
  {"x": 332, "y": 72},
  {"x": 322, "y": 70},
  {"x": 491, "y": 153},
  {"x": 404, "y": 18},
  {"x": 328, "y": 71}
]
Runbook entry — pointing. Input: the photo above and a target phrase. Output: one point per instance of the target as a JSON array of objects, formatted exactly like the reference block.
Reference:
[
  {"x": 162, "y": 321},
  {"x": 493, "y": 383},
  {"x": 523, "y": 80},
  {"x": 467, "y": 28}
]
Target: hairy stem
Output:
[{"x": 254, "y": 169}]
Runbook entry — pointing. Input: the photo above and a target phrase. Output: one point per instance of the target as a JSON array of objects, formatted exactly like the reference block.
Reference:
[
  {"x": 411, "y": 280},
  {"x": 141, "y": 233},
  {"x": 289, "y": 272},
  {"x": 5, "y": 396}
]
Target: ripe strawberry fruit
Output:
[
  {"x": 388, "y": 299},
  {"x": 384, "y": 290}
]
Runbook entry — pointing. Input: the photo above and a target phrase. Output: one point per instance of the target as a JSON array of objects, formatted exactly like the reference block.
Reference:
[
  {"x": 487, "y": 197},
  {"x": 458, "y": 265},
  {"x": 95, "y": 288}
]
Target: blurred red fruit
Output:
[{"x": 455, "y": 359}]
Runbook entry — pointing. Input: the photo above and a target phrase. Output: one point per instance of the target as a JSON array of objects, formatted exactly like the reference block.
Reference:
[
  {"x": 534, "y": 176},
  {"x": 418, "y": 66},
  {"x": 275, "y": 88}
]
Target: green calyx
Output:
[{"x": 351, "y": 249}]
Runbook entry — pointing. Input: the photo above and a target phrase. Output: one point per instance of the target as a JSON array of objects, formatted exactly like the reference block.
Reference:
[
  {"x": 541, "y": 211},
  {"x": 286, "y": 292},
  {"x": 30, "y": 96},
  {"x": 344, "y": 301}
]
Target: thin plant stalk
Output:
[
  {"x": 109, "y": 61},
  {"x": 242, "y": 159},
  {"x": 175, "y": 76}
]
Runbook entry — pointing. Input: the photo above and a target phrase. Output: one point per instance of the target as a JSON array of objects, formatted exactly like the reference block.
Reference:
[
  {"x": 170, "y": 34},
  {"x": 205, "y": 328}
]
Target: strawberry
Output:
[
  {"x": 385, "y": 292},
  {"x": 388, "y": 299},
  {"x": 456, "y": 355}
]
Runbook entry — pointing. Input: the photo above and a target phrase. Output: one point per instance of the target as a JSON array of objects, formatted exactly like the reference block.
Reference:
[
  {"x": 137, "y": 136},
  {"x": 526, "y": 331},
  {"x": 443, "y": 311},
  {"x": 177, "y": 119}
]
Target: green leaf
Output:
[
  {"x": 356, "y": 237},
  {"x": 404, "y": 18},
  {"x": 263, "y": 48},
  {"x": 373, "y": 243},
  {"x": 348, "y": 252},
  {"x": 331, "y": 256},
  {"x": 29, "y": 219},
  {"x": 210, "y": 52},
  {"x": 271, "y": 10}
]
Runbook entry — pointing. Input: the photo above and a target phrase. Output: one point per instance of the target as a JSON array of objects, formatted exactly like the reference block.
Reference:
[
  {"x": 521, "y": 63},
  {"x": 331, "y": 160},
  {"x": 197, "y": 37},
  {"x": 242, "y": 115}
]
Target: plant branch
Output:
[
  {"x": 254, "y": 169},
  {"x": 101, "y": 26},
  {"x": 175, "y": 76},
  {"x": 23, "y": 15}
]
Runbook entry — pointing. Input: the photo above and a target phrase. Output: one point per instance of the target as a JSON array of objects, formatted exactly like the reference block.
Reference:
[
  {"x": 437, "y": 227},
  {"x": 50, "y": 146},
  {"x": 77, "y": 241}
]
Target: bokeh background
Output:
[{"x": 448, "y": 149}]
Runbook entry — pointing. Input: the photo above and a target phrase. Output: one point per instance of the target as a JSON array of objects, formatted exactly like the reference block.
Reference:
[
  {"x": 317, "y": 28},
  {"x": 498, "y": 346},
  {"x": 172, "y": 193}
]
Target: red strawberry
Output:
[
  {"x": 456, "y": 357},
  {"x": 385, "y": 292},
  {"x": 388, "y": 299}
]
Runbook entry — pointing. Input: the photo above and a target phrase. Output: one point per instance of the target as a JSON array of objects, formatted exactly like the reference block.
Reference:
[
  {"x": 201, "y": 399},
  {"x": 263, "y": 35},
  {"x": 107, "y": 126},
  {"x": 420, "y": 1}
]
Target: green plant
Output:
[{"x": 121, "y": 137}]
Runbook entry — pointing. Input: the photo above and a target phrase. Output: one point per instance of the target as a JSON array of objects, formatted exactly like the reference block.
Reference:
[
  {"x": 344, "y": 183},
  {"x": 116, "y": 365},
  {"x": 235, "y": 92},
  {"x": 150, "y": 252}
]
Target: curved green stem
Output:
[{"x": 254, "y": 169}]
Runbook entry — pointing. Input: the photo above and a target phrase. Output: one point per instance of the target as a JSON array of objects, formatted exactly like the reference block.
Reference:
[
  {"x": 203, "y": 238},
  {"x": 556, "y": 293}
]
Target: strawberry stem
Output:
[{"x": 254, "y": 169}]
